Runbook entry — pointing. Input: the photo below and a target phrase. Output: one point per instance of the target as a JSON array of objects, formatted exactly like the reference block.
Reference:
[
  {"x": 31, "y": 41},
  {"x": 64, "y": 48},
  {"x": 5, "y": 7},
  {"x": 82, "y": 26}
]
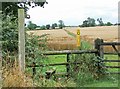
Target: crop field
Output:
[{"x": 63, "y": 39}]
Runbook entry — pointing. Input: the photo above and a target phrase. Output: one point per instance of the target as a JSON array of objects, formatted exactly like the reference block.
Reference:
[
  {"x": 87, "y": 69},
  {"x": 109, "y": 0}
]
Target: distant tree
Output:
[
  {"x": 100, "y": 22},
  {"x": 53, "y": 26},
  {"x": 109, "y": 24},
  {"x": 31, "y": 25},
  {"x": 48, "y": 26},
  {"x": 90, "y": 22},
  {"x": 43, "y": 27},
  {"x": 61, "y": 24},
  {"x": 85, "y": 23}
]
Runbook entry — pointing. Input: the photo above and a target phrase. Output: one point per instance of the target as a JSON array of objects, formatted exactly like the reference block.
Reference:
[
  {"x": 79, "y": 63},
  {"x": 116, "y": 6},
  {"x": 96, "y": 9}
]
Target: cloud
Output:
[{"x": 73, "y": 12}]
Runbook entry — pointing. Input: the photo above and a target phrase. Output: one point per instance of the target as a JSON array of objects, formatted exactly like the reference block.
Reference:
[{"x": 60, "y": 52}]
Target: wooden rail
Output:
[
  {"x": 55, "y": 64},
  {"x": 111, "y": 60},
  {"x": 69, "y": 52},
  {"x": 112, "y": 66},
  {"x": 111, "y": 53},
  {"x": 110, "y": 43}
]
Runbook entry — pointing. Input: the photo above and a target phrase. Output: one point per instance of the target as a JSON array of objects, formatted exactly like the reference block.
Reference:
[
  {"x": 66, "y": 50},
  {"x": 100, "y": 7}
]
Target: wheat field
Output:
[{"x": 64, "y": 39}]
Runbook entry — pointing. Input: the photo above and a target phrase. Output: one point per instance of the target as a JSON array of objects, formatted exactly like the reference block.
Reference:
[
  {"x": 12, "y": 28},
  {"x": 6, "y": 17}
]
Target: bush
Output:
[
  {"x": 87, "y": 69},
  {"x": 9, "y": 37}
]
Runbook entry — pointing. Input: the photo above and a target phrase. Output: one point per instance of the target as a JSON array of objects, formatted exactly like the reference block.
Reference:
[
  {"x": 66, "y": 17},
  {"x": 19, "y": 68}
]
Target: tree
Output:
[
  {"x": 85, "y": 23},
  {"x": 43, "y": 27},
  {"x": 11, "y": 8},
  {"x": 100, "y": 22},
  {"x": 61, "y": 24},
  {"x": 90, "y": 22},
  {"x": 32, "y": 26},
  {"x": 109, "y": 24},
  {"x": 53, "y": 26},
  {"x": 48, "y": 26},
  {"x": 9, "y": 30}
]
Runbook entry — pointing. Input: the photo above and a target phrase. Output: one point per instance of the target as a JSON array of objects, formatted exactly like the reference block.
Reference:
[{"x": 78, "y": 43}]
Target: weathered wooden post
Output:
[
  {"x": 33, "y": 68},
  {"x": 21, "y": 24},
  {"x": 68, "y": 65},
  {"x": 0, "y": 46},
  {"x": 100, "y": 53},
  {"x": 99, "y": 47}
]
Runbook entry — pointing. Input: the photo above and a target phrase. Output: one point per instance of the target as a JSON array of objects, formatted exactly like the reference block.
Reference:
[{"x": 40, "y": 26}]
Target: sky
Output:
[{"x": 74, "y": 12}]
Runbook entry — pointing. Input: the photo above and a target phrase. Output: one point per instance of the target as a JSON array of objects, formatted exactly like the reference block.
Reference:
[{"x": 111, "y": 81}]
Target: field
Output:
[{"x": 63, "y": 39}]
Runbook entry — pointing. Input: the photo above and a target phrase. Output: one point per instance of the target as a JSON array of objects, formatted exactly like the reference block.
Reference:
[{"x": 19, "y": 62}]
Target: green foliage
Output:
[
  {"x": 48, "y": 26},
  {"x": 9, "y": 38},
  {"x": 11, "y": 8},
  {"x": 86, "y": 70},
  {"x": 61, "y": 24},
  {"x": 53, "y": 26},
  {"x": 9, "y": 34},
  {"x": 34, "y": 46},
  {"x": 100, "y": 22},
  {"x": 43, "y": 27},
  {"x": 90, "y": 22},
  {"x": 31, "y": 25},
  {"x": 89, "y": 69},
  {"x": 108, "y": 24}
]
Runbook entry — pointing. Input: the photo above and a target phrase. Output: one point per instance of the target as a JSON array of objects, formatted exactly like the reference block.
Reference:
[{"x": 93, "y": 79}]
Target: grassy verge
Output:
[
  {"x": 108, "y": 82},
  {"x": 111, "y": 57}
]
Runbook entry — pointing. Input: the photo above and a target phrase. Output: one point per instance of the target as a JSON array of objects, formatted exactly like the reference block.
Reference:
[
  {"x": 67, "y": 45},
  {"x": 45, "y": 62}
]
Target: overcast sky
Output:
[{"x": 74, "y": 12}]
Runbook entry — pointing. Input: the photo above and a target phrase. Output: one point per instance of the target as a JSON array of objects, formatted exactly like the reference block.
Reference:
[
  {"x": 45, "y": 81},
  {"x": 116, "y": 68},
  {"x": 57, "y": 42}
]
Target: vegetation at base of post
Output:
[{"x": 87, "y": 70}]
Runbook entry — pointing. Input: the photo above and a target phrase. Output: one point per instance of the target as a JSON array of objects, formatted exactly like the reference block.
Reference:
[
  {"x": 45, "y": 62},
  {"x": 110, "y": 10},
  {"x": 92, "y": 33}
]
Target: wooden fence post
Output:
[
  {"x": 68, "y": 66},
  {"x": 98, "y": 46},
  {"x": 21, "y": 24},
  {"x": 0, "y": 46},
  {"x": 33, "y": 68},
  {"x": 100, "y": 53}
]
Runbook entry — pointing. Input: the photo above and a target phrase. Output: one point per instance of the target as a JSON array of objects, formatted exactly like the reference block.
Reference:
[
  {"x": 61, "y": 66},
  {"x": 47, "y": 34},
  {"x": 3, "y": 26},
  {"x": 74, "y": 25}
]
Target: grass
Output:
[
  {"x": 105, "y": 83},
  {"x": 70, "y": 33},
  {"x": 58, "y": 59},
  {"x": 111, "y": 57},
  {"x": 12, "y": 77},
  {"x": 110, "y": 82}
]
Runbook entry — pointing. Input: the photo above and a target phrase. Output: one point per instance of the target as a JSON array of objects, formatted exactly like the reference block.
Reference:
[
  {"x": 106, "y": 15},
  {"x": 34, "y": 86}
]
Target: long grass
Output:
[{"x": 12, "y": 77}]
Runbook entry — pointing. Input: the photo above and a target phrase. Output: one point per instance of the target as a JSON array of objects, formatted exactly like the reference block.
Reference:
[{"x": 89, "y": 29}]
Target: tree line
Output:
[
  {"x": 89, "y": 22},
  {"x": 32, "y": 26}
]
